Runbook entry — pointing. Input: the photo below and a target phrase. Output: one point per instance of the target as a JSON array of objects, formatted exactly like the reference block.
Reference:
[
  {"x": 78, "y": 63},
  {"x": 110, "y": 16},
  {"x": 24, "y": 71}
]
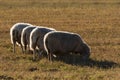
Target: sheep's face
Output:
[{"x": 85, "y": 52}]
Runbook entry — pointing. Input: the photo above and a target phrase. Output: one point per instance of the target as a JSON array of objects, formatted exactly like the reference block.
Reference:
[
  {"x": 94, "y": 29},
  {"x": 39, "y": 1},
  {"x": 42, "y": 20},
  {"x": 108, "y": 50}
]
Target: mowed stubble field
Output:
[{"x": 98, "y": 23}]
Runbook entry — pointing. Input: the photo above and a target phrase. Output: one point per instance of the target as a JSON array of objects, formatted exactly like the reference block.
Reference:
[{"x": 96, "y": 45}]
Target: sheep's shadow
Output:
[{"x": 76, "y": 60}]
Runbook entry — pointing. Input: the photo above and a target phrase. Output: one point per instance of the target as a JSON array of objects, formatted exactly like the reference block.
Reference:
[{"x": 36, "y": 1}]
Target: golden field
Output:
[{"x": 98, "y": 23}]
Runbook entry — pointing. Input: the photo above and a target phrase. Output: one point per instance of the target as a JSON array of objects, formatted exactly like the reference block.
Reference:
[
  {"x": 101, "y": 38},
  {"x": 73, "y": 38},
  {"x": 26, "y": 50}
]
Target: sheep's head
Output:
[{"x": 85, "y": 52}]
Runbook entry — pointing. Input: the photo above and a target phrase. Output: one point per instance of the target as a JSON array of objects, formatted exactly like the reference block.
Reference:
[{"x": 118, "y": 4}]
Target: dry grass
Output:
[{"x": 98, "y": 22}]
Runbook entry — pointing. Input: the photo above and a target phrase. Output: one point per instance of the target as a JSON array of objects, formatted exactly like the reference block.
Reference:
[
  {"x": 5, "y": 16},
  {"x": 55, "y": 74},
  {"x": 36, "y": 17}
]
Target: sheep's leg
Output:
[
  {"x": 34, "y": 55},
  {"x": 13, "y": 47},
  {"x": 29, "y": 49},
  {"x": 22, "y": 48},
  {"x": 50, "y": 55},
  {"x": 14, "y": 44},
  {"x": 25, "y": 47},
  {"x": 40, "y": 53}
]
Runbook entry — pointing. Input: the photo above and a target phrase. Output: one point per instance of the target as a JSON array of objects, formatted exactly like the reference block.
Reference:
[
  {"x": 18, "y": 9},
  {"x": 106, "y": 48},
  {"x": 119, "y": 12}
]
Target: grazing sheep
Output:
[
  {"x": 15, "y": 34},
  {"x": 36, "y": 39},
  {"x": 56, "y": 42},
  {"x": 25, "y": 36}
]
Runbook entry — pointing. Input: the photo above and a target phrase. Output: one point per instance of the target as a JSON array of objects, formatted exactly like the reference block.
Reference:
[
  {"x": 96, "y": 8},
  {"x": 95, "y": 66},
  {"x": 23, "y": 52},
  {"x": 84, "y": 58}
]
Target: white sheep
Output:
[
  {"x": 26, "y": 36},
  {"x": 15, "y": 34},
  {"x": 60, "y": 42},
  {"x": 36, "y": 39}
]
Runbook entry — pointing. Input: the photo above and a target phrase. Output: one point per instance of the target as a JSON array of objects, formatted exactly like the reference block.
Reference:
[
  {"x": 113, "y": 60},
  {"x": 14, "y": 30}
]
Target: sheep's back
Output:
[{"x": 63, "y": 42}]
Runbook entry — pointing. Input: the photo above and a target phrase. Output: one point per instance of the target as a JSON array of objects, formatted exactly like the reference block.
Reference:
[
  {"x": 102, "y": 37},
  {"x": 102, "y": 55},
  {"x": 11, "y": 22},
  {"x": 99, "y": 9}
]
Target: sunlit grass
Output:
[{"x": 96, "y": 21}]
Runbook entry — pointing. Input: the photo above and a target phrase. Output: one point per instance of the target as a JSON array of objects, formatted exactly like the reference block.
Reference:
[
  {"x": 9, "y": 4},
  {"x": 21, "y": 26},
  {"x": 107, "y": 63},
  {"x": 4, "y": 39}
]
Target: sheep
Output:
[
  {"x": 36, "y": 39},
  {"x": 62, "y": 42},
  {"x": 15, "y": 34},
  {"x": 25, "y": 36}
]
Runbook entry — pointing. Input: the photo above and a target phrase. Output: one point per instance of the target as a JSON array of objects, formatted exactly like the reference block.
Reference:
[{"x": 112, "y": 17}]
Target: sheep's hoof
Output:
[{"x": 34, "y": 59}]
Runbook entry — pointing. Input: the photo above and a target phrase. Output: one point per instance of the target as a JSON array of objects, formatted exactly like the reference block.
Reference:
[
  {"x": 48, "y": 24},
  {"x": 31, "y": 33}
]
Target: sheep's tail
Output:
[
  {"x": 33, "y": 39},
  {"x": 23, "y": 38},
  {"x": 13, "y": 35},
  {"x": 45, "y": 42}
]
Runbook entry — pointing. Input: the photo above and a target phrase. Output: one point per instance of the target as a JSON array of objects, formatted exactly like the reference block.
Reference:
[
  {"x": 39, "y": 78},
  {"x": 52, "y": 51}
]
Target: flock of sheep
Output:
[{"x": 41, "y": 40}]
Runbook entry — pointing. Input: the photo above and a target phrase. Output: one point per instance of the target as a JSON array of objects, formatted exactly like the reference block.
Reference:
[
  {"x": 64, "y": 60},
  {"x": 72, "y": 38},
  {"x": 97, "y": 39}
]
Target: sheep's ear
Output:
[{"x": 83, "y": 46}]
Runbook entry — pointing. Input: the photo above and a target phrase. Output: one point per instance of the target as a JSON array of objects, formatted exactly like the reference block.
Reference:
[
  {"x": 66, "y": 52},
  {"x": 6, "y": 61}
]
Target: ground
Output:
[{"x": 98, "y": 23}]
